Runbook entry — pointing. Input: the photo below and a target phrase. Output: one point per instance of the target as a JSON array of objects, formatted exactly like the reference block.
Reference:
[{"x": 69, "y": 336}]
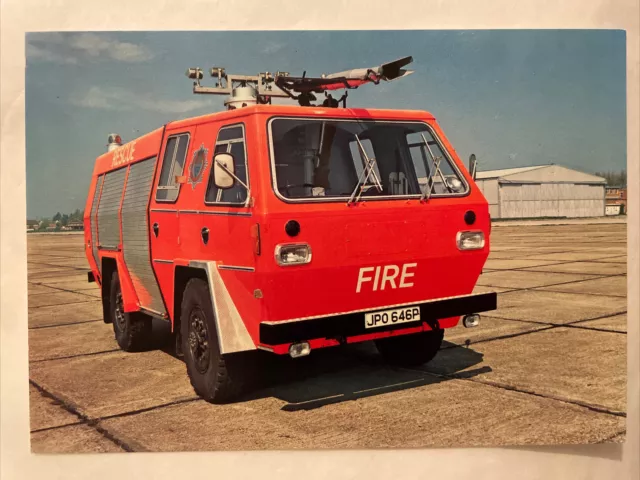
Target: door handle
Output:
[
  {"x": 204, "y": 233},
  {"x": 156, "y": 229}
]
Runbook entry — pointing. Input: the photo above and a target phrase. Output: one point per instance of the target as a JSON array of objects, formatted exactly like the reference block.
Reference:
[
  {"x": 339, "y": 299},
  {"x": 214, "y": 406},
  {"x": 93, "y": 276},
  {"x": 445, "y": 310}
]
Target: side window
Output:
[
  {"x": 426, "y": 157},
  {"x": 172, "y": 166},
  {"x": 230, "y": 140}
]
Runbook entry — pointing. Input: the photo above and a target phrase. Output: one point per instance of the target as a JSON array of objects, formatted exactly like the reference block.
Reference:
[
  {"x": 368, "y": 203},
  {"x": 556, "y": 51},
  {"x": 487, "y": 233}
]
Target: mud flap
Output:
[{"x": 232, "y": 333}]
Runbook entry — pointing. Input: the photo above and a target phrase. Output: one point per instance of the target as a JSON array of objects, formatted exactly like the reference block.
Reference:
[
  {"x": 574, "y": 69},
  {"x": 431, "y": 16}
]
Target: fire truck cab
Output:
[{"x": 287, "y": 229}]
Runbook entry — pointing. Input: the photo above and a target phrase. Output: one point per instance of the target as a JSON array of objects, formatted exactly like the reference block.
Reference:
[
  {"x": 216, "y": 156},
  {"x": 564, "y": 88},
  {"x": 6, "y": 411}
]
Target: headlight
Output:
[
  {"x": 293, "y": 254},
  {"x": 470, "y": 240}
]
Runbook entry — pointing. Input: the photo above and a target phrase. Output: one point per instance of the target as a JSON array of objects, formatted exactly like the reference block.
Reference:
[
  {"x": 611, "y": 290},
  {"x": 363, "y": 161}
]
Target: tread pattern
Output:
[
  {"x": 138, "y": 325},
  {"x": 223, "y": 380}
]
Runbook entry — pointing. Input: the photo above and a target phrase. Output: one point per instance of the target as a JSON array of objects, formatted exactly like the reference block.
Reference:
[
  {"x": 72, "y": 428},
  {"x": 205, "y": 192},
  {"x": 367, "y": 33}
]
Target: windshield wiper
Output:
[
  {"x": 436, "y": 166},
  {"x": 367, "y": 174}
]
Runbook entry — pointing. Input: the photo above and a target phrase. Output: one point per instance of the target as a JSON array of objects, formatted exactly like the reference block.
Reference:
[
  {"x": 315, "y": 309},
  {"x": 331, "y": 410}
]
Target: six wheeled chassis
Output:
[{"x": 159, "y": 250}]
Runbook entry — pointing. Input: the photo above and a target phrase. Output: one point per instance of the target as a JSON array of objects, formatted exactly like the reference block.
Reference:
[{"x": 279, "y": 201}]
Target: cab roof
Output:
[
  {"x": 294, "y": 110},
  {"x": 148, "y": 145}
]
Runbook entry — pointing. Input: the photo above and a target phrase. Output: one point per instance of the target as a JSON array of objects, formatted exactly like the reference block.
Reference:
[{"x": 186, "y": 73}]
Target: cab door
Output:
[
  {"x": 226, "y": 212},
  {"x": 164, "y": 211},
  {"x": 227, "y": 223}
]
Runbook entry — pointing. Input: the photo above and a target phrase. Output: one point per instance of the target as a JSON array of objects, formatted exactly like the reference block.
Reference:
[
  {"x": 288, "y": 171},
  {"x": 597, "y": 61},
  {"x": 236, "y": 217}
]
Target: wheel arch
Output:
[
  {"x": 108, "y": 267},
  {"x": 232, "y": 333},
  {"x": 182, "y": 275},
  {"x": 110, "y": 264}
]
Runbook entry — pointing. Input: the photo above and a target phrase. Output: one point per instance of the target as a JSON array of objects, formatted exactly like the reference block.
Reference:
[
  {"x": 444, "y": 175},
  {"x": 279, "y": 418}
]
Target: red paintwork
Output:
[
  {"x": 343, "y": 238},
  {"x": 326, "y": 342},
  {"x": 145, "y": 147}
]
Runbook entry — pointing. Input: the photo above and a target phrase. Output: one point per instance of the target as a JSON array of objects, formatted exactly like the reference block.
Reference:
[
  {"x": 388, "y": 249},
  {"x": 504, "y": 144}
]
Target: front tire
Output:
[
  {"x": 132, "y": 330},
  {"x": 410, "y": 350},
  {"x": 215, "y": 378}
]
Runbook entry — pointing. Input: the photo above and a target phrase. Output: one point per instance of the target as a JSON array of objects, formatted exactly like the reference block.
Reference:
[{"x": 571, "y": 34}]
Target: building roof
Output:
[
  {"x": 505, "y": 171},
  {"x": 540, "y": 174}
]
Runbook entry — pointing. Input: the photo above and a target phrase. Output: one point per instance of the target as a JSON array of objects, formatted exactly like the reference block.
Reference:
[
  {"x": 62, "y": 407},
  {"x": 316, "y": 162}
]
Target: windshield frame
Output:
[{"x": 363, "y": 198}]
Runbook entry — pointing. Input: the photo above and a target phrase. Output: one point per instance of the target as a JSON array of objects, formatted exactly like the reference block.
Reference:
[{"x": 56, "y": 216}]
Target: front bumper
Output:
[{"x": 353, "y": 323}]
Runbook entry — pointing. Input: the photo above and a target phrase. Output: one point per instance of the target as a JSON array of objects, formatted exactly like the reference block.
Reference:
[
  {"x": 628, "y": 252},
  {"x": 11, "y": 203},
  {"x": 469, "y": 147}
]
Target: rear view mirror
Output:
[
  {"x": 472, "y": 165},
  {"x": 223, "y": 170}
]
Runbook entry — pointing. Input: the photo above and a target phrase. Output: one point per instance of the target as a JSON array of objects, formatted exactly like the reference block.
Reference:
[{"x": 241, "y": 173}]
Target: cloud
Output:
[
  {"x": 125, "y": 100},
  {"x": 272, "y": 47},
  {"x": 98, "y": 98},
  {"x": 73, "y": 48},
  {"x": 34, "y": 52},
  {"x": 96, "y": 45}
]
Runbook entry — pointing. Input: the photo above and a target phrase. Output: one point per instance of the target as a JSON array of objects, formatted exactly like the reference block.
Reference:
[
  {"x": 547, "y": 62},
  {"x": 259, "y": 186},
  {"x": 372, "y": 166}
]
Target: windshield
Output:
[{"x": 315, "y": 159}]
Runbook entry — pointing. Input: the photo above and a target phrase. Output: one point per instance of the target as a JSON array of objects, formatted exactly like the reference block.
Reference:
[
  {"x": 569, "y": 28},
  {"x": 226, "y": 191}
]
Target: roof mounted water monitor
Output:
[{"x": 244, "y": 90}]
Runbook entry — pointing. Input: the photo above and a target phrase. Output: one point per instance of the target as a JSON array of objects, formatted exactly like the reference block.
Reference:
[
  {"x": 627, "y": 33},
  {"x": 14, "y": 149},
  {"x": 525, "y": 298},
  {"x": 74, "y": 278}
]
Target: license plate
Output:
[{"x": 391, "y": 317}]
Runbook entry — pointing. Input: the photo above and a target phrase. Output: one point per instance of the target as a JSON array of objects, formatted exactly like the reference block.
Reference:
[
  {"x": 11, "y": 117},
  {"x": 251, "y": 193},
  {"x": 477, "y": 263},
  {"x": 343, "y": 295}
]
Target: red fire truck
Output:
[{"x": 287, "y": 228}]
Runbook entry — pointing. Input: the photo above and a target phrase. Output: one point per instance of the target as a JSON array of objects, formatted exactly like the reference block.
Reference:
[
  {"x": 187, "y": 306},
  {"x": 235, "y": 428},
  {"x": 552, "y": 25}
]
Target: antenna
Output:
[{"x": 244, "y": 90}]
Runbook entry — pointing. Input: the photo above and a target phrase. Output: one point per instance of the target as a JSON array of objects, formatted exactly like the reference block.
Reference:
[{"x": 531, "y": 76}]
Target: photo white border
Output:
[{"x": 618, "y": 461}]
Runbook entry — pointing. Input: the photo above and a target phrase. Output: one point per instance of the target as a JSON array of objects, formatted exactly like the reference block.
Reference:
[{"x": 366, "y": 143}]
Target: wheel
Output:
[
  {"x": 214, "y": 377},
  {"x": 410, "y": 350},
  {"x": 132, "y": 330}
]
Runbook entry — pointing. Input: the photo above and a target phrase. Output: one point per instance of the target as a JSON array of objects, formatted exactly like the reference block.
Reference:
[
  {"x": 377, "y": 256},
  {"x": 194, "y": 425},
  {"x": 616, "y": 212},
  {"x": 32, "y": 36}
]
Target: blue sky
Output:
[{"x": 512, "y": 97}]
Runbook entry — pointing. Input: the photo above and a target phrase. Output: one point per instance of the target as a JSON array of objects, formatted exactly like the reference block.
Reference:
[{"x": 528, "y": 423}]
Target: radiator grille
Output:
[{"x": 135, "y": 234}]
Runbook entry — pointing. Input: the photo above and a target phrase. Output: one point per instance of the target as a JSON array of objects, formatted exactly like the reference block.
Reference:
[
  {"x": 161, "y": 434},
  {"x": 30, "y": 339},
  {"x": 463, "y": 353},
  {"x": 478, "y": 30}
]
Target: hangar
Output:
[{"x": 542, "y": 191}]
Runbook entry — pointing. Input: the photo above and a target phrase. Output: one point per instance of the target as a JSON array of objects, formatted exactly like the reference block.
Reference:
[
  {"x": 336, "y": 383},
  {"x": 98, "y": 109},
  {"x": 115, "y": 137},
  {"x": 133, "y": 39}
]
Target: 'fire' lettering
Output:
[
  {"x": 389, "y": 278},
  {"x": 385, "y": 276}
]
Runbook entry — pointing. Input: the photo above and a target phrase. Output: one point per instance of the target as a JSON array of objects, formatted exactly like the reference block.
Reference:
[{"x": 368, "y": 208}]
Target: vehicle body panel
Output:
[{"x": 238, "y": 256}]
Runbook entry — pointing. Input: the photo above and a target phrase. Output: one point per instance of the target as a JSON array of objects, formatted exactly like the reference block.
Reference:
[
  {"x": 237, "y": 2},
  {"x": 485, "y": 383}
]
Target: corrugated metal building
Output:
[{"x": 542, "y": 191}]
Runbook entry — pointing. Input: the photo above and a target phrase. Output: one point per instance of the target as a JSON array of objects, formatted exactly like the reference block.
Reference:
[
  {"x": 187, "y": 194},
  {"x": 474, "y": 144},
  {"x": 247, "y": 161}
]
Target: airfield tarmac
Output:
[{"x": 547, "y": 367}]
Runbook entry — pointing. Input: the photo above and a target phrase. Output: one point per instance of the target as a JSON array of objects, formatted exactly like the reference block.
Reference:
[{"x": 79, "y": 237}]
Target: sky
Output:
[{"x": 513, "y": 97}]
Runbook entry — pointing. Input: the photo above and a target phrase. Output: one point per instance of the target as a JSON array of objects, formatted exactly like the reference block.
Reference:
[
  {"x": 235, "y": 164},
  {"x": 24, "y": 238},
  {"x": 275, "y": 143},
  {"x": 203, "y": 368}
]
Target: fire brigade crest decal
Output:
[{"x": 198, "y": 166}]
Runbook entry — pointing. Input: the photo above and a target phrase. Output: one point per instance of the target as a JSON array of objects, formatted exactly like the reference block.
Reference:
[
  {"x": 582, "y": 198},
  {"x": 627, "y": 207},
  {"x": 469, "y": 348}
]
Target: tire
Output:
[
  {"x": 215, "y": 378},
  {"x": 132, "y": 330},
  {"x": 410, "y": 350}
]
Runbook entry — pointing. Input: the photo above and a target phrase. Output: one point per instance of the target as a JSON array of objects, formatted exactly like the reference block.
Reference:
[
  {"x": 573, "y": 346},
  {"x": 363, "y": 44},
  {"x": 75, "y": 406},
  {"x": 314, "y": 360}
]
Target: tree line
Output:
[
  {"x": 61, "y": 220},
  {"x": 613, "y": 178}
]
